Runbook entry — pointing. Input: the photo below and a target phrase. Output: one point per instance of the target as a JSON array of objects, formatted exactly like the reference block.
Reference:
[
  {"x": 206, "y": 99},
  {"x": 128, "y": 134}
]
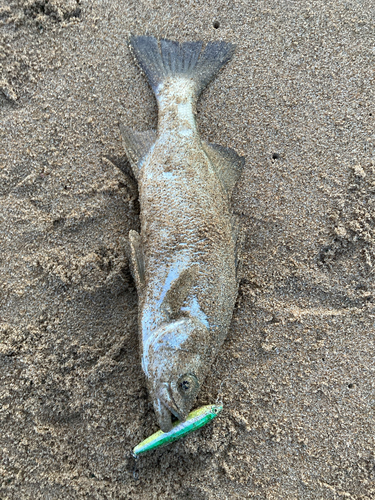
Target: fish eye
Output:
[{"x": 187, "y": 383}]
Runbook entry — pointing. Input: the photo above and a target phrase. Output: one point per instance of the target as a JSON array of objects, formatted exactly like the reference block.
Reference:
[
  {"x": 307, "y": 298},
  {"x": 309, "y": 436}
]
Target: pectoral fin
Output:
[
  {"x": 228, "y": 164},
  {"x": 179, "y": 290},
  {"x": 137, "y": 145},
  {"x": 137, "y": 265}
]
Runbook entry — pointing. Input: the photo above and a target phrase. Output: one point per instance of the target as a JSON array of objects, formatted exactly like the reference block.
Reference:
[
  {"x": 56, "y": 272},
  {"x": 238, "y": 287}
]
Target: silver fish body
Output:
[{"x": 185, "y": 261}]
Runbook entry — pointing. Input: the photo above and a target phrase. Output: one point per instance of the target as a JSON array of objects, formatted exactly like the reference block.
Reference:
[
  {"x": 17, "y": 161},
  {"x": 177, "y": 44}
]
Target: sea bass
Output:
[{"x": 185, "y": 261}]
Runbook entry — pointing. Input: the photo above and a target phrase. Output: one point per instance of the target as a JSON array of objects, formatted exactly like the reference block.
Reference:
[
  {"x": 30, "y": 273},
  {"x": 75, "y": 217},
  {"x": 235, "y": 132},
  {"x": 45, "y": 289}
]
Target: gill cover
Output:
[{"x": 175, "y": 355}]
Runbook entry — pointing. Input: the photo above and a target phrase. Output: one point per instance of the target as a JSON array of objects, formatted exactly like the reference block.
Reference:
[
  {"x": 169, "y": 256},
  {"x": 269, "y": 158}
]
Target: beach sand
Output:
[{"x": 296, "y": 373}]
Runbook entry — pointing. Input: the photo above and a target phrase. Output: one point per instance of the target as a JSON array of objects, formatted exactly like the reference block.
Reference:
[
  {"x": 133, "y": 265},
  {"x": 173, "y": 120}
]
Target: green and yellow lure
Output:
[{"x": 196, "y": 419}]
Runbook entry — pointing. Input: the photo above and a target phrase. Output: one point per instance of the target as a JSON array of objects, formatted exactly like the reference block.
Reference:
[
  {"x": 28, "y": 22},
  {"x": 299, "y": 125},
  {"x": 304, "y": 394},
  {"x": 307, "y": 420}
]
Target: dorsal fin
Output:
[
  {"x": 137, "y": 145},
  {"x": 137, "y": 265},
  {"x": 227, "y": 162},
  {"x": 179, "y": 290}
]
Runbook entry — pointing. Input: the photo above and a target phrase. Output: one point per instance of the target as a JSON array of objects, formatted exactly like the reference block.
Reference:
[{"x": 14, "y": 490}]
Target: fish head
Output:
[{"x": 176, "y": 363}]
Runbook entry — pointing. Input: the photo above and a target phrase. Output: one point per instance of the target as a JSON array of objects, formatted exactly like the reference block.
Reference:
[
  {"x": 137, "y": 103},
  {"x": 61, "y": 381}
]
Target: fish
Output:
[
  {"x": 195, "y": 420},
  {"x": 186, "y": 259}
]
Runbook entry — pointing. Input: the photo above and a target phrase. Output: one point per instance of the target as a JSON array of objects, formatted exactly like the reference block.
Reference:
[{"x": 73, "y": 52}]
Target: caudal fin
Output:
[{"x": 180, "y": 59}]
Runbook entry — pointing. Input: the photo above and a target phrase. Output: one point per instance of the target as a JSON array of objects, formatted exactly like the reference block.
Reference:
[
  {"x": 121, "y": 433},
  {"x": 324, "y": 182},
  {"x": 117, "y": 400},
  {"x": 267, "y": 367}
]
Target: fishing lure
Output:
[{"x": 196, "y": 419}]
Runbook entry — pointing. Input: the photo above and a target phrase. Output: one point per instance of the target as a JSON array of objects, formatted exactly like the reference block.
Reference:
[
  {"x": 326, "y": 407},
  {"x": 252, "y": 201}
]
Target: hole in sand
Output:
[
  {"x": 275, "y": 156},
  {"x": 350, "y": 386},
  {"x": 216, "y": 25}
]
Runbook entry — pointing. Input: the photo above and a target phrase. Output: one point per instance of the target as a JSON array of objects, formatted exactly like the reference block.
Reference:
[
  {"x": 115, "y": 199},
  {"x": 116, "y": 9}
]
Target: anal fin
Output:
[
  {"x": 137, "y": 145},
  {"x": 227, "y": 162}
]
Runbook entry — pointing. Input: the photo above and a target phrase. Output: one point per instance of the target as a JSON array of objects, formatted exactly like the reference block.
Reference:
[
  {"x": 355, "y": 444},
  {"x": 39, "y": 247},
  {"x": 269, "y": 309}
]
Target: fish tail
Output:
[{"x": 173, "y": 59}]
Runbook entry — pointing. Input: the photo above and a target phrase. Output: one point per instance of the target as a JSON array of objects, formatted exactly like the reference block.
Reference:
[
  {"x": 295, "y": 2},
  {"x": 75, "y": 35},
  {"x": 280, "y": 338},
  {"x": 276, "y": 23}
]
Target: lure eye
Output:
[{"x": 187, "y": 384}]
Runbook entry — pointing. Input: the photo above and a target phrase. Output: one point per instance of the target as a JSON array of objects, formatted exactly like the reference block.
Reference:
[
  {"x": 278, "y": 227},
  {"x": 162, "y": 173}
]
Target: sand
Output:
[{"x": 296, "y": 373}]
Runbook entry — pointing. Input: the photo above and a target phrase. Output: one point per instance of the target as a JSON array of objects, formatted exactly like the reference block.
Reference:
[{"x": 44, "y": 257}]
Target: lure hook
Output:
[{"x": 135, "y": 470}]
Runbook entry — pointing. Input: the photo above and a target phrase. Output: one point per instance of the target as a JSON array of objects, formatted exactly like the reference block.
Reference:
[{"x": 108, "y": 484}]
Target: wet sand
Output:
[{"x": 297, "y": 369}]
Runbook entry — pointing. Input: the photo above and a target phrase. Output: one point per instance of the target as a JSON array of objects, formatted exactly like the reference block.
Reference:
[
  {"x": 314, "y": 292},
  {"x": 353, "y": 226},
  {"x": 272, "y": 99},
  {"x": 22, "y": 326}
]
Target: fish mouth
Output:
[{"x": 165, "y": 406}]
